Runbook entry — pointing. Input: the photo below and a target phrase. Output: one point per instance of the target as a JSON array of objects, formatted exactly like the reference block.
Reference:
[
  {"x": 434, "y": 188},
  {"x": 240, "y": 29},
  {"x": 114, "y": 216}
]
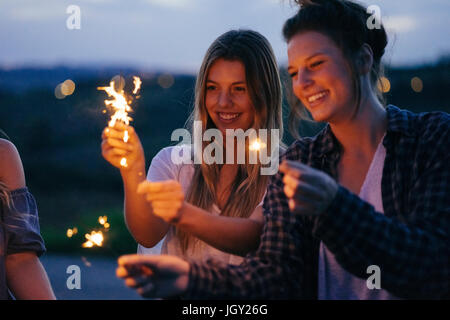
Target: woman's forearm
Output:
[
  {"x": 233, "y": 235},
  {"x": 27, "y": 278},
  {"x": 146, "y": 228}
]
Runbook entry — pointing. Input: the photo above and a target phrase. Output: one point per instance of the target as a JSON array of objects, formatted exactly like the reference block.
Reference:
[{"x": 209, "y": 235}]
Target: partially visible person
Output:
[
  {"x": 21, "y": 272},
  {"x": 372, "y": 189}
]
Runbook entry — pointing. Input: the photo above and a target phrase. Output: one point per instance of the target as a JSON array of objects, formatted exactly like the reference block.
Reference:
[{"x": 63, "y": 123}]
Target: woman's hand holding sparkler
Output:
[
  {"x": 310, "y": 191},
  {"x": 154, "y": 276},
  {"x": 165, "y": 197},
  {"x": 121, "y": 142}
]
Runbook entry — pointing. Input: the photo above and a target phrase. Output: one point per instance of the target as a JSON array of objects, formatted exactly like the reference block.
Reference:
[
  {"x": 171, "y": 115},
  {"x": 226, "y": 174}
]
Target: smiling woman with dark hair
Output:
[{"x": 372, "y": 189}]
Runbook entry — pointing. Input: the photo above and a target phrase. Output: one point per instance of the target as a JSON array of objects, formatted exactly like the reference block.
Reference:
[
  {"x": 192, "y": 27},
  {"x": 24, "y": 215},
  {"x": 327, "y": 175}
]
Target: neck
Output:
[{"x": 360, "y": 135}]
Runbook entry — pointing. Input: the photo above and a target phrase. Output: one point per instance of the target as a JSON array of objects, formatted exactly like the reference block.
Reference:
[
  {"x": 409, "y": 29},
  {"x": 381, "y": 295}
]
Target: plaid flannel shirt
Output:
[{"x": 409, "y": 242}]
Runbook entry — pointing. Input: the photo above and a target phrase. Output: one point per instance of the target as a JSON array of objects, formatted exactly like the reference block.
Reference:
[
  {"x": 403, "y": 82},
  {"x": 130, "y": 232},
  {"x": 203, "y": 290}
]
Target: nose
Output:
[
  {"x": 224, "y": 99},
  {"x": 303, "y": 81}
]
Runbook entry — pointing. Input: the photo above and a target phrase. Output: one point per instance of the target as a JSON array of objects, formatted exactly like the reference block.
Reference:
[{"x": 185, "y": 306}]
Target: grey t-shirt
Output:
[{"x": 19, "y": 231}]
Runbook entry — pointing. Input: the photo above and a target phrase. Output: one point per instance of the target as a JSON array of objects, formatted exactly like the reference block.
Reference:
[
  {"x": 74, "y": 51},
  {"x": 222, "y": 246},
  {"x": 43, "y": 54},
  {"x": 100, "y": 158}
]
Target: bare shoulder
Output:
[{"x": 11, "y": 169}]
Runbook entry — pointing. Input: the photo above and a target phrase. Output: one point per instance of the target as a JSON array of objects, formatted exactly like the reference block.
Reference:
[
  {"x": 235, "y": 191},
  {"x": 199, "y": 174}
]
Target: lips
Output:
[
  {"x": 317, "y": 97},
  {"x": 228, "y": 117}
]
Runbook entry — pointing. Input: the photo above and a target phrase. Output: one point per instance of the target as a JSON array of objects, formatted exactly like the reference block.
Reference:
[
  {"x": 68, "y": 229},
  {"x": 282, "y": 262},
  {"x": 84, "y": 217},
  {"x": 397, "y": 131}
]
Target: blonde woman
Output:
[
  {"x": 21, "y": 272},
  {"x": 206, "y": 210}
]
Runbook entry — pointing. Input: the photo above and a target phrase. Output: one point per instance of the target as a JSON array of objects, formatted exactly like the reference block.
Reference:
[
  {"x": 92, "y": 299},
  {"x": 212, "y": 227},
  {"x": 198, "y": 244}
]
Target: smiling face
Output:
[
  {"x": 227, "y": 98},
  {"x": 321, "y": 77}
]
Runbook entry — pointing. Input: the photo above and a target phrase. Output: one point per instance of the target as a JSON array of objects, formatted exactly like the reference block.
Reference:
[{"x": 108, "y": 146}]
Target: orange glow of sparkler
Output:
[
  {"x": 123, "y": 162},
  {"x": 137, "y": 84},
  {"x": 102, "y": 219},
  {"x": 257, "y": 145},
  {"x": 71, "y": 232},
  {"x": 120, "y": 105},
  {"x": 94, "y": 238}
]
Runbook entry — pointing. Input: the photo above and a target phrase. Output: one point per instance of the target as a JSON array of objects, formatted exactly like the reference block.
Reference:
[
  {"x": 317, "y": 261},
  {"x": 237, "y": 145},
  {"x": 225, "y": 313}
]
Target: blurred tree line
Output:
[{"x": 59, "y": 139}]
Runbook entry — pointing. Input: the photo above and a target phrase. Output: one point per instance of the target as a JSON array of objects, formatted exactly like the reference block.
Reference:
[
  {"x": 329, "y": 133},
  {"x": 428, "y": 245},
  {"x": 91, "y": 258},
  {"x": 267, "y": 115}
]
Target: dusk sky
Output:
[{"x": 174, "y": 34}]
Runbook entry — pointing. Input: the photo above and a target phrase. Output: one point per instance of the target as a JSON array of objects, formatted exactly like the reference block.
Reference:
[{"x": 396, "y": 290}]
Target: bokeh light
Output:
[
  {"x": 67, "y": 87},
  {"x": 384, "y": 85},
  {"x": 64, "y": 89},
  {"x": 58, "y": 92},
  {"x": 417, "y": 84},
  {"x": 166, "y": 80}
]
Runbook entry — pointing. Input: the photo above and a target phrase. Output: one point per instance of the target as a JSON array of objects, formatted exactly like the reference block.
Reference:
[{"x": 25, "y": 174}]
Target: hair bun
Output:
[{"x": 377, "y": 39}]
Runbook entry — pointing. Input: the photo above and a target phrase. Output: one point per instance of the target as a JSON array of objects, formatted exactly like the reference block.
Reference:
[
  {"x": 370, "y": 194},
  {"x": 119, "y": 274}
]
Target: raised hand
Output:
[
  {"x": 166, "y": 198},
  {"x": 310, "y": 191},
  {"x": 114, "y": 149}
]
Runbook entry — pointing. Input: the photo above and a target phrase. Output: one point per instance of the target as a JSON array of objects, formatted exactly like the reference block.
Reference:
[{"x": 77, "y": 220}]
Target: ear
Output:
[{"x": 365, "y": 59}]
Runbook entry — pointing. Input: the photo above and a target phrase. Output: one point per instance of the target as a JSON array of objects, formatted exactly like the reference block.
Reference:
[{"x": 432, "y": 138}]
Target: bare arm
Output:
[
  {"x": 238, "y": 236},
  {"x": 146, "y": 228},
  {"x": 233, "y": 235},
  {"x": 27, "y": 278}
]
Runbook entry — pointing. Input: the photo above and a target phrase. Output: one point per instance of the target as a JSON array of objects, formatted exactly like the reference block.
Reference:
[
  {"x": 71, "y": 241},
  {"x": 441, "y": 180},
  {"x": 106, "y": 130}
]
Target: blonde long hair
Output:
[{"x": 264, "y": 87}]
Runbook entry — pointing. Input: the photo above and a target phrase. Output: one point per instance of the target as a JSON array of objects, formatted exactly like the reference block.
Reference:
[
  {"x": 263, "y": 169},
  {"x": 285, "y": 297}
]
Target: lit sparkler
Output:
[
  {"x": 137, "y": 84},
  {"x": 94, "y": 238},
  {"x": 121, "y": 107},
  {"x": 257, "y": 145}
]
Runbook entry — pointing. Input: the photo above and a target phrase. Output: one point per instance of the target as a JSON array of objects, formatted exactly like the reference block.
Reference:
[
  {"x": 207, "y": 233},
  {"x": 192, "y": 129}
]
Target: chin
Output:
[{"x": 319, "y": 117}]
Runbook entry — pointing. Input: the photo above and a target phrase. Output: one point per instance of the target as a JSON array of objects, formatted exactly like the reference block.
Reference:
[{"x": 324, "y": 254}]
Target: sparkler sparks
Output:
[
  {"x": 103, "y": 221},
  {"x": 118, "y": 103},
  {"x": 94, "y": 238},
  {"x": 257, "y": 145},
  {"x": 121, "y": 107},
  {"x": 71, "y": 232},
  {"x": 123, "y": 162},
  {"x": 137, "y": 84}
]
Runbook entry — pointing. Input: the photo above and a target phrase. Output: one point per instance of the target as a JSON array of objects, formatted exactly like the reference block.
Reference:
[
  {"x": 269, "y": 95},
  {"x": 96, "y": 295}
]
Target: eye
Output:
[
  {"x": 293, "y": 74},
  {"x": 210, "y": 87},
  {"x": 316, "y": 64},
  {"x": 239, "y": 88}
]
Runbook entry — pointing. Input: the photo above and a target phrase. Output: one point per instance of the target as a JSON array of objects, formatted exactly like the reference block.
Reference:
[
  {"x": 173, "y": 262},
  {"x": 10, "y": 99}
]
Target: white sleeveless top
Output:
[{"x": 162, "y": 168}]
